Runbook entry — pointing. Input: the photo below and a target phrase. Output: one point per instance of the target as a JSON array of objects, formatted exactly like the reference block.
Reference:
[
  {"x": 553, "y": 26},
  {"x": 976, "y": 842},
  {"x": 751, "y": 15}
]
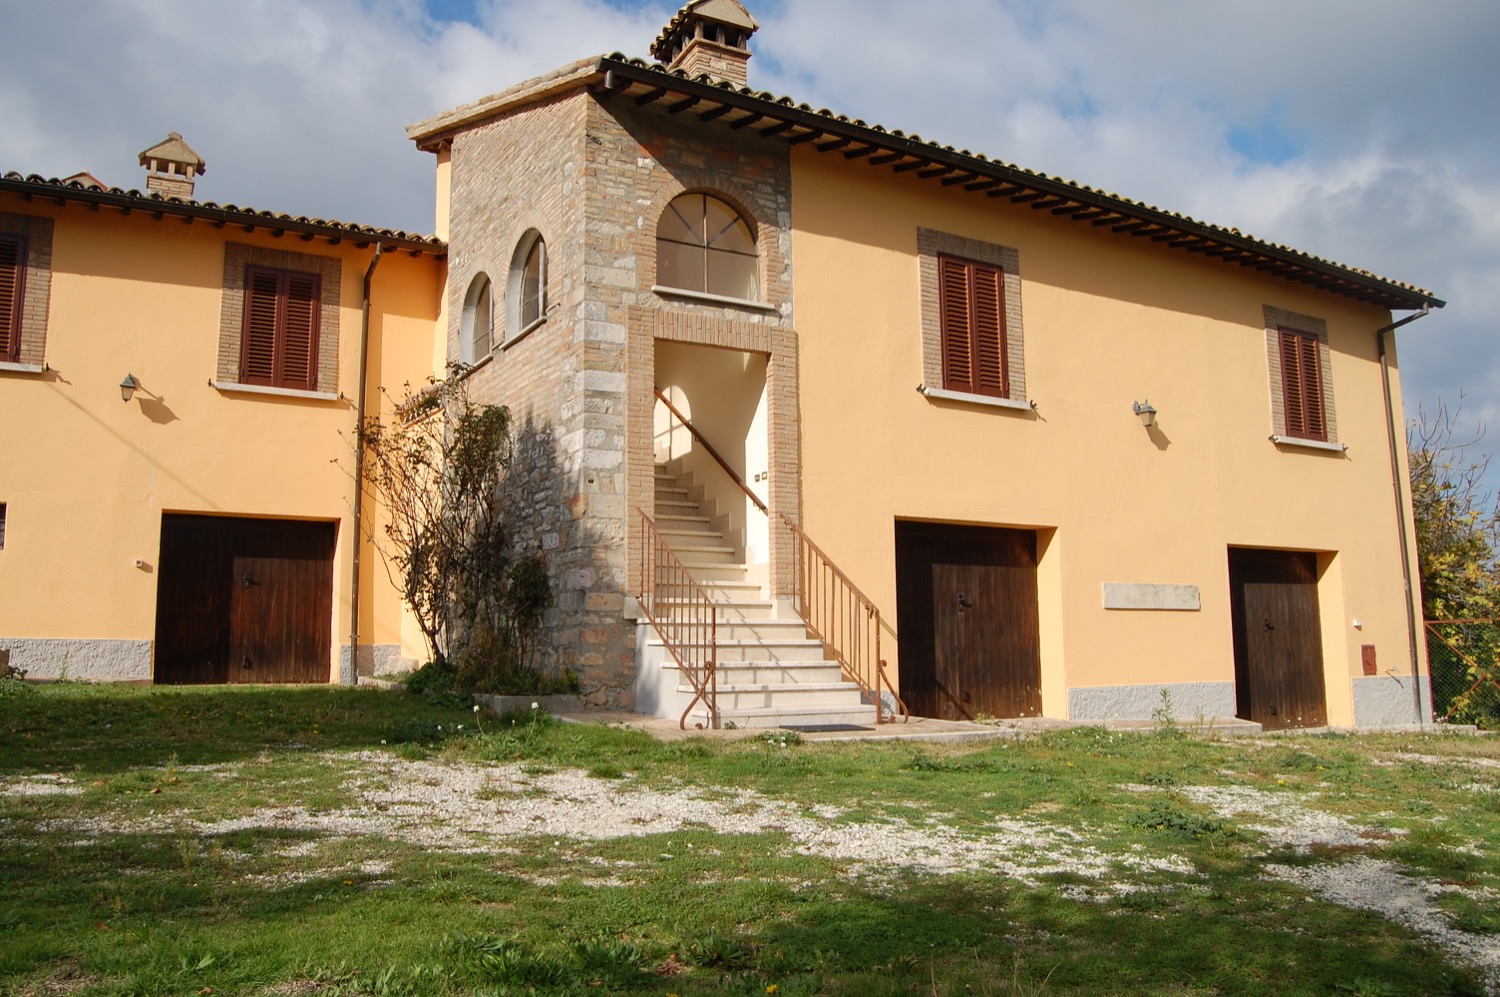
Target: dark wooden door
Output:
[
  {"x": 244, "y": 600},
  {"x": 1278, "y": 639},
  {"x": 967, "y": 605}
]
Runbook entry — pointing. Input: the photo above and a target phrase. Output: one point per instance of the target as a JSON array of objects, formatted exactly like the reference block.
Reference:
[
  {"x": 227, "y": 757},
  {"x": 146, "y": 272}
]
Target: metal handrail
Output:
[
  {"x": 683, "y": 616},
  {"x": 843, "y": 618},
  {"x": 712, "y": 452},
  {"x": 835, "y": 611}
]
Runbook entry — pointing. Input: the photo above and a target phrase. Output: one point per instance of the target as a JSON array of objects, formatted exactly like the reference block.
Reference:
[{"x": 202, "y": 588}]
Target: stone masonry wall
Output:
[
  {"x": 639, "y": 160},
  {"x": 511, "y": 176},
  {"x": 593, "y": 178}
]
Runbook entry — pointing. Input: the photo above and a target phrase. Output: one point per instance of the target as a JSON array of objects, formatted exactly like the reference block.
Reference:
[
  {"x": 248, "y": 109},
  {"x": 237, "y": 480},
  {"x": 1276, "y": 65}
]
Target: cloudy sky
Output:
[{"x": 1367, "y": 131}]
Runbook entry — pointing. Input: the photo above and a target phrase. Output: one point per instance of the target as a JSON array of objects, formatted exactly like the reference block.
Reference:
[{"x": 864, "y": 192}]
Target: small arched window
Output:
[
  {"x": 526, "y": 298},
  {"x": 704, "y": 245},
  {"x": 476, "y": 327}
]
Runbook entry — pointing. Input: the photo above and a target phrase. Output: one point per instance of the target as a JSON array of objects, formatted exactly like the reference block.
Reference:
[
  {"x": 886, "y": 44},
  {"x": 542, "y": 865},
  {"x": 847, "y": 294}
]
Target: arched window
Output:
[
  {"x": 475, "y": 336},
  {"x": 704, "y": 245},
  {"x": 526, "y": 297}
]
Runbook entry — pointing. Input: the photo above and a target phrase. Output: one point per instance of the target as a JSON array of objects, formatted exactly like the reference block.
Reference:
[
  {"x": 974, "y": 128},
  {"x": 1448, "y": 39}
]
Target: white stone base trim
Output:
[
  {"x": 1386, "y": 701},
  {"x": 1189, "y": 701},
  {"x": 95, "y": 660},
  {"x": 374, "y": 659}
]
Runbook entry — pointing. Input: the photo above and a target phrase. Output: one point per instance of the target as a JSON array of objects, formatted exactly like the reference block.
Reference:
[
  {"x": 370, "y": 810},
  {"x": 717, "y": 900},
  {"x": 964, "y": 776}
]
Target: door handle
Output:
[
  {"x": 246, "y": 581},
  {"x": 963, "y": 603},
  {"x": 1269, "y": 627}
]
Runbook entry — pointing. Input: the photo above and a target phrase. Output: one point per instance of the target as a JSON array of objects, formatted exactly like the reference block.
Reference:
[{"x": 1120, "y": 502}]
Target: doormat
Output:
[{"x": 822, "y": 728}]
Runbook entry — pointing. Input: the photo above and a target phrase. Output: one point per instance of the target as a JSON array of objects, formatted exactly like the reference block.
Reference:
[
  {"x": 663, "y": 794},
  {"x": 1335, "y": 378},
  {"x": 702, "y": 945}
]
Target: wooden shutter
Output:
[
  {"x": 280, "y": 335},
  {"x": 958, "y": 364},
  {"x": 1302, "y": 386},
  {"x": 258, "y": 351},
  {"x": 12, "y": 284},
  {"x": 972, "y": 297},
  {"x": 300, "y": 350}
]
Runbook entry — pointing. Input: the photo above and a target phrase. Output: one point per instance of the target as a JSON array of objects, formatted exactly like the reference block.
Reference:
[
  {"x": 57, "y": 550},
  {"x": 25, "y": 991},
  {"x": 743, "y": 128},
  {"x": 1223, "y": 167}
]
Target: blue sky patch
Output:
[{"x": 1269, "y": 141}]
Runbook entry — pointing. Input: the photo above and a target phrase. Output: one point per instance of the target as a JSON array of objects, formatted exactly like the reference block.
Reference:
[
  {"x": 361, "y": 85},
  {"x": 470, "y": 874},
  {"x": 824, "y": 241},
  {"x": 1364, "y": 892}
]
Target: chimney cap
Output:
[
  {"x": 173, "y": 149},
  {"x": 730, "y": 13}
]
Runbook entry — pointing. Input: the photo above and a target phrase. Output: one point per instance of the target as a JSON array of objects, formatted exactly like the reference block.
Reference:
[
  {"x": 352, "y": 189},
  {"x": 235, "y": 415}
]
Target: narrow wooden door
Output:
[
  {"x": 282, "y": 603},
  {"x": 1278, "y": 638},
  {"x": 967, "y": 606},
  {"x": 243, "y": 600}
]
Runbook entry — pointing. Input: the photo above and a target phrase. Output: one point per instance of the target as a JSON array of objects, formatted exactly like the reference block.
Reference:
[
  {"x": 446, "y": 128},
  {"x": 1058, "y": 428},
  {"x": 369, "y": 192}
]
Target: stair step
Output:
[
  {"x": 761, "y": 718},
  {"x": 764, "y": 650},
  {"x": 789, "y": 674},
  {"x": 674, "y": 521}
]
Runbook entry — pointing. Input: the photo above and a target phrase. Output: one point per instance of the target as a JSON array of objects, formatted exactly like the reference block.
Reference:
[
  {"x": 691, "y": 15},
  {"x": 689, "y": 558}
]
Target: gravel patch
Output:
[
  {"x": 1360, "y": 883},
  {"x": 473, "y": 808},
  {"x": 1382, "y": 888},
  {"x": 41, "y": 785}
]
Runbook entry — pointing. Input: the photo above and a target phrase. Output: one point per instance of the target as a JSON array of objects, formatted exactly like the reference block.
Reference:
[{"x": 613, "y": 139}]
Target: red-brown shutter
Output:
[
  {"x": 989, "y": 331},
  {"x": 280, "y": 347},
  {"x": 1302, "y": 386},
  {"x": 12, "y": 284},
  {"x": 300, "y": 350},
  {"x": 972, "y": 298},
  {"x": 958, "y": 365},
  {"x": 258, "y": 355}
]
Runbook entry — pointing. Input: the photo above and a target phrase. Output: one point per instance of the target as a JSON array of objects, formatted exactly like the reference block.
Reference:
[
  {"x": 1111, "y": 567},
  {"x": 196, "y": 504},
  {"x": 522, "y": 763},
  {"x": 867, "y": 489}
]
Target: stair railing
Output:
[
  {"x": 683, "y": 616},
  {"x": 835, "y": 611},
  {"x": 844, "y": 619}
]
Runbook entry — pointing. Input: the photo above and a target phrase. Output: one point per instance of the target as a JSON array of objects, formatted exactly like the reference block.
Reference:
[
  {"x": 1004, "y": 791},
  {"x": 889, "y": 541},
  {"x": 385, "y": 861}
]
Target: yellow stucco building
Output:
[{"x": 819, "y": 421}]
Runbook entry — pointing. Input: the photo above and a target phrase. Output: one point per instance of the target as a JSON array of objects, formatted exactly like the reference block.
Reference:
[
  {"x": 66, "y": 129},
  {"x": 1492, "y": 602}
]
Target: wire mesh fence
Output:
[{"x": 1464, "y": 659}]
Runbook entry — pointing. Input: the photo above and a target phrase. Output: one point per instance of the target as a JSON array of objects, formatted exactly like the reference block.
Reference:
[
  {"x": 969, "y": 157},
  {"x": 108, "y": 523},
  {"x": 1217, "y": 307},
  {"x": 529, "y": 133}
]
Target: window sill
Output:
[
  {"x": 1297, "y": 441},
  {"x": 233, "y": 387},
  {"x": 712, "y": 299},
  {"x": 533, "y": 327},
  {"x": 944, "y": 395},
  {"x": 23, "y": 368}
]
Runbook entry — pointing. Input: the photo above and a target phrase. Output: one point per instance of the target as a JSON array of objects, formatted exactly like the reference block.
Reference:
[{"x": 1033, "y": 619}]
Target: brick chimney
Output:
[
  {"x": 708, "y": 37},
  {"x": 173, "y": 167}
]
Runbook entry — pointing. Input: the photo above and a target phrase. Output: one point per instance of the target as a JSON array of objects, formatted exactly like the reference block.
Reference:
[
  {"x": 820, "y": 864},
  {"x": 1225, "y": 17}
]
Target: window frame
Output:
[
  {"x": 481, "y": 290},
  {"x": 933, "y": 247},
  {"x": 12, "y": 312},
  {"x": 228, "y": 364},
  {"x": 25, "y": 347},
  {"x": 705, "y": 243},
  {"x": 518, "y": 323},
  {"x": 1298, "y": 357},
  {"x": 971, "y": 311},
  {"x": 290, "y": 285}
]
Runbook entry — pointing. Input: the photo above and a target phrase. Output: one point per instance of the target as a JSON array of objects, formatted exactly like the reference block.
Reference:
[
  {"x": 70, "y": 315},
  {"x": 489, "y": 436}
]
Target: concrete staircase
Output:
[{"x": 771, "y": 672}]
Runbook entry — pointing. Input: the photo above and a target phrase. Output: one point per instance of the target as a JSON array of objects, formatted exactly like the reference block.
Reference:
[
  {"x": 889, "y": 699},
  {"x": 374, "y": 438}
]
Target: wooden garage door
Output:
[
  {"x": 1278, "y": 639},
  {"x": 244, "y": 600},
  {"x": 967, "y": 606}
]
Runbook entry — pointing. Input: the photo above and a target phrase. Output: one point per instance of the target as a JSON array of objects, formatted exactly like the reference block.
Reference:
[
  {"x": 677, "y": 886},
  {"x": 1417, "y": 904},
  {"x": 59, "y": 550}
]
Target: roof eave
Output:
[
  {"x": 361, "y": 236},
  {"x": 800, "y": 123}
]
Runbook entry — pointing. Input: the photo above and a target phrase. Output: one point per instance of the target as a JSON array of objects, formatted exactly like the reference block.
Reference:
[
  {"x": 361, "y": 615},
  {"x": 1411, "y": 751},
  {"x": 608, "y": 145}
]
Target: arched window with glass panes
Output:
[{"x": 704, "y": 246}]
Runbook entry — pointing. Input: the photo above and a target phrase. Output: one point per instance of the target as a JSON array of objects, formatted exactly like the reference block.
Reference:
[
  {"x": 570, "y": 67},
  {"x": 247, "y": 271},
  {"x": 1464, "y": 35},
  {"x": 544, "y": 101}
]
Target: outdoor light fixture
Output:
[
  {"x": 128, "y": 386},
  {"x": 1146, "y": 411}
]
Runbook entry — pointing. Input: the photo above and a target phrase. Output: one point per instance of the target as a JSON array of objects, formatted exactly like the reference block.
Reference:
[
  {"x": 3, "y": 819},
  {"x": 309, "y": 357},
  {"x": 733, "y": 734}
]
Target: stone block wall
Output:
[{"x": 593, "y": 176}]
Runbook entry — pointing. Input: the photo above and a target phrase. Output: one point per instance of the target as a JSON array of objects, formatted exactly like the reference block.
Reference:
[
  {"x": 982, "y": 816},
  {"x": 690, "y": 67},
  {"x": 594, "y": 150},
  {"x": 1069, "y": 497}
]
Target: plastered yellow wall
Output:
[
  {"x": 87, "y": 477},
  {"x": 1108, "y": 320}
]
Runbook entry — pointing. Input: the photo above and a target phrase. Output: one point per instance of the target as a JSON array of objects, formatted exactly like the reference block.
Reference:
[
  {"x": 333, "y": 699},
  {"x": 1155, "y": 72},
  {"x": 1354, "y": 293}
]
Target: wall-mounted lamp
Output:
[
  {"x": 127, "y": 387},
  {"x": 1146, "y": 411}
]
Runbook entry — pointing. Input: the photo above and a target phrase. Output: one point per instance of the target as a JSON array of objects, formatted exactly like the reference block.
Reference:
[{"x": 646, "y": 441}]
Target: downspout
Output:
[
  {"x": 1406, "y": 570},
  {"x": 359, "y": 467}
]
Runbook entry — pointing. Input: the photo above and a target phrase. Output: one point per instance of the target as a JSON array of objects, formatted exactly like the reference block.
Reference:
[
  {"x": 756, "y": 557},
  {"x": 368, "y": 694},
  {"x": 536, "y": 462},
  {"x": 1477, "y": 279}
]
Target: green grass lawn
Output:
[{"x": 338, "y": 841}]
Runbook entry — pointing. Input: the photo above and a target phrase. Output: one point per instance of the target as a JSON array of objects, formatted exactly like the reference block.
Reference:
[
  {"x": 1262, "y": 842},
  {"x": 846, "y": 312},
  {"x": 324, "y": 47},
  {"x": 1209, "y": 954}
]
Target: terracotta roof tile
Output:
[{"x": 80, "y": 190}]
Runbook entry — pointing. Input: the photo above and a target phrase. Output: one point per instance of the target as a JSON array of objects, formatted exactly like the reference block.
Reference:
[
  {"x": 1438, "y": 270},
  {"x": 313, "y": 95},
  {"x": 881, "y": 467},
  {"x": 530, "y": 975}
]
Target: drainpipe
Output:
[
  {"x": 1406, "y": 571},
  {"x": 359, "y": 465}
]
